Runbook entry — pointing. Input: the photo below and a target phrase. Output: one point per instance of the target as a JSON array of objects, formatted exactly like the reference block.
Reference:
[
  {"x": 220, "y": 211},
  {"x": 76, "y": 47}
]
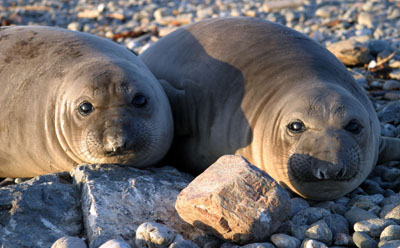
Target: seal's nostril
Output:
[
  {"x": 340, "y": 173},
  {"x": 320, "y": 174}
]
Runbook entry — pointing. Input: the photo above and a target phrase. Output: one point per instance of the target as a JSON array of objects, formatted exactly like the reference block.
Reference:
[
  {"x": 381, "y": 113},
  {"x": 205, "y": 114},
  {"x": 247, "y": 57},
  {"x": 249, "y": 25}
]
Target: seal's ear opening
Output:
[{"x": 389, "y": 149}]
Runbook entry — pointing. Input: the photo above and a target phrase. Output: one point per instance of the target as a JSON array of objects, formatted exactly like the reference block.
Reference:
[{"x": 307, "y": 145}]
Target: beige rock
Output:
[
  {"x": 235, "y": 201},
  {"x": 351, "y": 52},
  {"x": 88, "y": 13},
  {"x": 276, "y": 5}
]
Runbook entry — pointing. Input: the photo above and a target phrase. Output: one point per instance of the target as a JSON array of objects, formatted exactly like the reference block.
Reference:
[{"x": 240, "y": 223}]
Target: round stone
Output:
[{"x": 281, "y": 240}]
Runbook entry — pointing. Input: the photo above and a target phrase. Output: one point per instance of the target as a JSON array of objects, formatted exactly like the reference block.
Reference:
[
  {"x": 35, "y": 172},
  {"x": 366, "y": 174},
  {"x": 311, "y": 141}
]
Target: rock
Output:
[
  {"x": 203, "y": 13},
  {"x": 391, "y": 174},
  {"x": 69, "y": 242},
  {"x": 395, "y": 74},
  {"x": 154, "y": 235},
  {"x": 281, "y": 240},
  {"x": 270, "y": 5},
  {"x": 343, "y": 239},
  {"x": 298, "y": 231},
  {"x": 392, "y": 96},
  {"x": 75, "y": 26},
  {"x": 362, "y": 240},
  {"x": 259, "y": 245},
  {"x": 89, "y": 14},
  {"x": 117, "y": 199},
  {"x": 160, "y": 13},
  {"x": 390, "y": 113},
  {"x": 356, "y": 214},
  {"x": 392, "y": 200},
  {"x": 391, "y": 232},
  {"x": 165, "y": 31},
  {"x": 183, "y": 244},
  {"x": 235, "y": 201},
  {"x": 351, "y": 52},
  {"x": 325, "y": 11},
  {"x": 309, "y": 216},
  {"x": 377, "y": 46},
  {"x": 39, "y": 211},
  {"x": 394, "y": 63},
  {"x": 366, "y": 19},
  {"x": 310, "y": 243},
  {"x": 373, "y": 199},
  {"x": 371, "y": 187},
  {"x": 362, "y": 202},
  {"x": 372, "y": 227},
  {"x": 320, "y": 231},
  {"x": 389, "y": 244},
  {"x": 115, "y": 243},
  {"x": 394, "y": 214},
  {"x": 297, "y": 204},
  {"x": 337, "y": 223}
]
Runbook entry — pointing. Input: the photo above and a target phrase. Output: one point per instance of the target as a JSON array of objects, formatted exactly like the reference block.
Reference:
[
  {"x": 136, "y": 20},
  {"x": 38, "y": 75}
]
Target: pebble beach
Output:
[{"x": 364, "y": 35}]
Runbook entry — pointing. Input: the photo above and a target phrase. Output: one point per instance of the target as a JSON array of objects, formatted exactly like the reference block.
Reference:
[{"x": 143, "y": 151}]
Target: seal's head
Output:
[
  {"x": 329, "y": 146},
  {"x": 113, "y": 112}
]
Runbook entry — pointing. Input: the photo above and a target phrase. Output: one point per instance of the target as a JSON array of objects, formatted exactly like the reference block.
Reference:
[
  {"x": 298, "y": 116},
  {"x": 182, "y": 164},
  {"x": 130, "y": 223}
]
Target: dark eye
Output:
[
  {"x": 85, "y": 108},
  {"x": 139, "y": 101},
  {"x": 296, "y": 127},
  {"x": 353, "y": 127}
]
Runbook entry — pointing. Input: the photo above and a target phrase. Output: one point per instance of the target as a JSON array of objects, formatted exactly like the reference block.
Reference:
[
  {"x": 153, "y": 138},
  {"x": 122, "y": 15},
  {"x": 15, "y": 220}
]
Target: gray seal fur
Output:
[
  {"x": 71, "y": 98},
  {"x": 258, "y": 89}
]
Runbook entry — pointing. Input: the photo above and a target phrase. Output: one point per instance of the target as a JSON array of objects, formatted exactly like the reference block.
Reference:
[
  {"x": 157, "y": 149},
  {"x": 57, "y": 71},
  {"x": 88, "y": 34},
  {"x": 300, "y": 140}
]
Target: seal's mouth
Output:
[
  {"x": 306, "y": 168},
  {"x": 118, "y": 153}
]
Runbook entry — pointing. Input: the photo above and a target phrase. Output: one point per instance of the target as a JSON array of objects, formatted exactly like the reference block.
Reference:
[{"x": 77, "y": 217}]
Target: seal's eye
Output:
[
  {"x": 296, "y": 127},
  {"x": 353, "y": 127},
  {"x": 85, "y": 108},
  {"x": 139, "y": 101}
]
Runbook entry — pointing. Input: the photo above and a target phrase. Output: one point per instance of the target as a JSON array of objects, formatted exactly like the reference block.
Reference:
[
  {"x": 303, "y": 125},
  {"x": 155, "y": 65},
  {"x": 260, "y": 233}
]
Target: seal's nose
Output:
[
  {"x": 114, "y": 142},
  {"x": 324, "y": 170},
  {"x": 115, "y": 137}
]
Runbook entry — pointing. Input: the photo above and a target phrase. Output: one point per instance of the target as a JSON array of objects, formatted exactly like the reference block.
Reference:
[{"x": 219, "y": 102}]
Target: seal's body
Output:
[
  {"x": 254, "y": 88},
  {"x": 69, "y": 98}
]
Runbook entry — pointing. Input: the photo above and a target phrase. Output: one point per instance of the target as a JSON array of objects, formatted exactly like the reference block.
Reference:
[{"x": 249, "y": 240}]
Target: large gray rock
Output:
[
  {"x": 39, "y": 211},
  {"x": 235, "y": 201},
  {"x": 116, "y": 200}
]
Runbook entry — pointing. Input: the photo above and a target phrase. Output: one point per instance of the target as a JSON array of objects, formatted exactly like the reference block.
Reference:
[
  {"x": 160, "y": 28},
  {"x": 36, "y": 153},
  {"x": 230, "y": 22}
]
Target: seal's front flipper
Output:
[{"x": 389, "y": 149}]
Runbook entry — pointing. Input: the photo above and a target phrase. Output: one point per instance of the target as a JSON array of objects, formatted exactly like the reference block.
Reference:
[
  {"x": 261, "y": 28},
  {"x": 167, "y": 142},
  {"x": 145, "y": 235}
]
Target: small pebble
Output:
[
  {"x": 184, "y": 244},
  {"x": 115, "y": 243},
  {"x": 362, "y": 240},
  {"x": 310, "y": 243},
  {"x": 356, "y": 214},
  {"x": 391, "y": 232},
  {"x": 389, "y": 244},
  {"x": 153, "y": 235},
  {"x": 343, "y": 239},
  {"x": 394, "y": 214},
  {"x": 69, "y": 242},
  {"x": 372, "y": 227},
  {"x": 281, "y": 240},
  {"x": 259, "y": 245},
  {"x": 297, "y": 204},
  {"x": 320, "y": 231}
]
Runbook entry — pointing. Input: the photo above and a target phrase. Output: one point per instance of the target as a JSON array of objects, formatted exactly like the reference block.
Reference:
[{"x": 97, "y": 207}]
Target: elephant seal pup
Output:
[
  {"x": 70, "y": 98},
  {"x": 250, "y": 87}
]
